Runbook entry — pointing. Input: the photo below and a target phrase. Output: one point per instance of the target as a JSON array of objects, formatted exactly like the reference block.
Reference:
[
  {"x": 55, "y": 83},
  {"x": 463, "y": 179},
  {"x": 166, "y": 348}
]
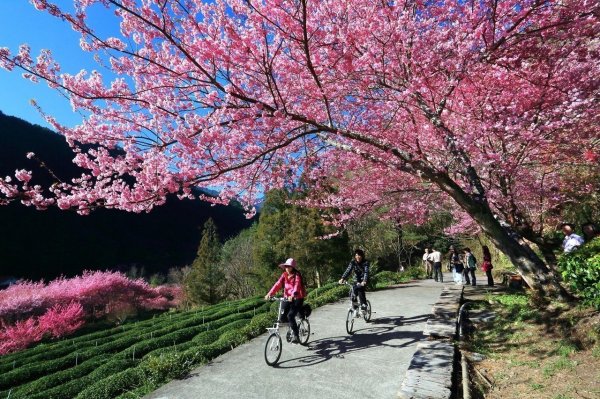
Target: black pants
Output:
[
  {"x": 471, "y": 271},
  {"x": 466, "y": 273},
  {"x": 437, "y": 271},
  {"x": 359, "y": 291},
  {"x": 488, "y": 273},
  {"x": 291, "y": 309}
]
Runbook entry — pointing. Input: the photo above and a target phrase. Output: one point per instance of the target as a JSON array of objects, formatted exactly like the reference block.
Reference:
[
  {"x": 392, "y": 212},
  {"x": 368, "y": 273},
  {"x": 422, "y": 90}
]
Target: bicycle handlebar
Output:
[{"x": 279, "y": 299}]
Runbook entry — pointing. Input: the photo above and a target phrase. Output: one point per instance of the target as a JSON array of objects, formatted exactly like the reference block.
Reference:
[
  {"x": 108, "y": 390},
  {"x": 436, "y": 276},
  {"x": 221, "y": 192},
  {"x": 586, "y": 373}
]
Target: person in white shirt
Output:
[
  {"x": 572, "y": 241},
  {"x": 436, "y": 257}
]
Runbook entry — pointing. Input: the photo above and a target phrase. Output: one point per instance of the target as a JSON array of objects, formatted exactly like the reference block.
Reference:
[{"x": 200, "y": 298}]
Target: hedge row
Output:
[
  {"x": 174, "y": 333},
  {"x": 155, "y": 370},
  {"x": 174, "y": 343},
  {"x": 61, "y": 377},
  {"x": 45, "y": 351},
  {"x": 124, "y": 340}
]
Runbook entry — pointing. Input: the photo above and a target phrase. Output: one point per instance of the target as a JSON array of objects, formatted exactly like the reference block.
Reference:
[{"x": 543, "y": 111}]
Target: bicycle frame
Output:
[
  {"x": 273, "y": 346},
  {"x": 354, "y": 313},
  {"x": 278, "y": 324}
]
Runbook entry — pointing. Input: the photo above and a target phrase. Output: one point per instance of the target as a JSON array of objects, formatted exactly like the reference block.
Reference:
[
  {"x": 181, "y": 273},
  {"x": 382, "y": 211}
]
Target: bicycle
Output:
[
  {"x": 354, "y": 312},
  {"x": 273, "y": 346}
]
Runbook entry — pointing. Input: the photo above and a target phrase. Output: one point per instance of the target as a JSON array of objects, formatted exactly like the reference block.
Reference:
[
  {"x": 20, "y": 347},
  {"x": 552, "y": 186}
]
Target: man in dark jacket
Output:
[{"x": 360, "y": 266}]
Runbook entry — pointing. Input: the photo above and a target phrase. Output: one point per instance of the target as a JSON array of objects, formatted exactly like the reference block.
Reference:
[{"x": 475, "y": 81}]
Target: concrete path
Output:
[{"x": 369, "y": 364}]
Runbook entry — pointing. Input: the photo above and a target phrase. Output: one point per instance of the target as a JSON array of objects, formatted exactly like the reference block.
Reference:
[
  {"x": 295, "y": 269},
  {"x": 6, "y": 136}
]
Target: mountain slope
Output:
[{"x": 44, "y": 244}]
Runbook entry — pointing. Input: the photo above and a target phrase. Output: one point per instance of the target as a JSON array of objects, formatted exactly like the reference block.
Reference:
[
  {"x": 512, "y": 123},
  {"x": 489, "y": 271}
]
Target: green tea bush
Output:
[
  {"x": 580, "y": 269},
  {"x": 61, "y": 377},
  {"x": 114, "y": 385},
  {"x": 72, "y": 388},
  {"x": 166, "y": 366}
]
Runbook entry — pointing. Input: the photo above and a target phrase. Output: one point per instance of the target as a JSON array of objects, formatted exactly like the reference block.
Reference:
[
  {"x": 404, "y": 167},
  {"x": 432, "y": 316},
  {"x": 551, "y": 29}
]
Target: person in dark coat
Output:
[{"x": 360, "y": 266}]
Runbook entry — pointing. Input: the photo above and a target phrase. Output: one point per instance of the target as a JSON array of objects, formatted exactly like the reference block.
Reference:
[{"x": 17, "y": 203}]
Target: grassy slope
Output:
[{"x": 531, "y": 351}]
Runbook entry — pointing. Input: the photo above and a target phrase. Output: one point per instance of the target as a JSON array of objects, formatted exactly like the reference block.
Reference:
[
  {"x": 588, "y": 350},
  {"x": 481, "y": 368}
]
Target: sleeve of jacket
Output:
[
  {"x": 297, "y": 289},
  {"x": 366, "y": 275},
  {"x": 277, "y": 286},
  {"x": 348, "y": 270}
]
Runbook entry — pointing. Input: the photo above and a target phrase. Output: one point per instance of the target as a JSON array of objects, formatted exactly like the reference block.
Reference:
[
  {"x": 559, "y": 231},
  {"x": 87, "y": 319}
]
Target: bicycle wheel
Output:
[
  {"x": 273, "y": 349},
  {"x": 350, "y": 321},
  {"x": 368, "y": 312},
  {"x": 304, "y": 331}
]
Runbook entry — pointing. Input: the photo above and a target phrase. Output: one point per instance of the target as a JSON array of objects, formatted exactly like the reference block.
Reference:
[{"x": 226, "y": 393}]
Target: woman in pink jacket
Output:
[{"x": 293, "y": 291}]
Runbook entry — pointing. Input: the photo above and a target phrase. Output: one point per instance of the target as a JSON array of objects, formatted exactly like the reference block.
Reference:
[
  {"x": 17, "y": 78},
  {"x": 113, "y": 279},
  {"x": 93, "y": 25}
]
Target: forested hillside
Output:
[{"x": 44, "y": 244}]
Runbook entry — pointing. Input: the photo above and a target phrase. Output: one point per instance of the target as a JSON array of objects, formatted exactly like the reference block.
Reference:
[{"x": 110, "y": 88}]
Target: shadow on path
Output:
[{"x": 375, "y": 336}]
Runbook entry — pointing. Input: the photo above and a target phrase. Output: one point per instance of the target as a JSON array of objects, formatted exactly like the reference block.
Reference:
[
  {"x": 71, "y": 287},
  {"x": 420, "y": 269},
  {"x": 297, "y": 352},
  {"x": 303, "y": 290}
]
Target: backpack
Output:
[
  {"x": 472, "y": 261},
  {"x": 306, "y": 310}
]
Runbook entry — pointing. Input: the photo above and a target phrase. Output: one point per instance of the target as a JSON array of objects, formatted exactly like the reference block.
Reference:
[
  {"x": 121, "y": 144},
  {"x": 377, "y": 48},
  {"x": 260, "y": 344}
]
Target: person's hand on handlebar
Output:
[
  {"x": 267, "y": 297},
  {"x": 363, "y": 283},
  {"x": 342, "y": 281}
]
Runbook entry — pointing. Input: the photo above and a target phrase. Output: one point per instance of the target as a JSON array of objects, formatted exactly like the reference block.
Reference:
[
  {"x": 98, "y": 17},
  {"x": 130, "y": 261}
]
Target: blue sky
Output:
[{"x": 21, "y": 23}]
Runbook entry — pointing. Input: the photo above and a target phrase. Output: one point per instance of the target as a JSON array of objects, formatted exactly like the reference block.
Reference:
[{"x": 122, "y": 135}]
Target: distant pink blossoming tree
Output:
[
  {"x": 487, "y": 106},
  {"x": 29, "y": 311}
]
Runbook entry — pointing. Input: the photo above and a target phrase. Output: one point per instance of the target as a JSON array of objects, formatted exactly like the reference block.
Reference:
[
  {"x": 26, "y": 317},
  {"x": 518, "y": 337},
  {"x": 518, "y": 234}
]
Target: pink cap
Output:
[{"x": 290, "y": 262}]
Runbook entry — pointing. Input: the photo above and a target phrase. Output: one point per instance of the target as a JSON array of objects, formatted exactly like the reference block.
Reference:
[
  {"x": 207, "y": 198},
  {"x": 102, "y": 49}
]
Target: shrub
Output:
[
  {"x": 114, "y": 385},
  {"x": 581, "y": 271},
  {"x": 387, "y": 278},
  {"x": 166, "y": 366}
]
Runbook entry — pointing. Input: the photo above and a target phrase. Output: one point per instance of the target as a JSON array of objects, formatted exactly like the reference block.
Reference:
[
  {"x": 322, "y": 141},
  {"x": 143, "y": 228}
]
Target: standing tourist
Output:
[
  {"x": 457, "y": 266},
  {"x": 486, "y": 266},
  {"x": 427, "y": 264},
  {"x": 436, "y": 258},
  {"x": 470, "y": 265}
]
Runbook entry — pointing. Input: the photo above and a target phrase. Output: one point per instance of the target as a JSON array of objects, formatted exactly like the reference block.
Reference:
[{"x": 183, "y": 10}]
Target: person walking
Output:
[
  {"x": 470, "y": 266},
  {"x": 293, "y": 290},
  {"x": 486, "y": 266},
  {"x": 427, "y": 264},
  {"x": 435, "y": 257}
]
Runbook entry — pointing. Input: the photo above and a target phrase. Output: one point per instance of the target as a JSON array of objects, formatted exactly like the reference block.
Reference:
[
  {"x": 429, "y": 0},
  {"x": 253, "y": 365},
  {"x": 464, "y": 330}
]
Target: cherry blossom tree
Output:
[{"x": 487, "y": 107}]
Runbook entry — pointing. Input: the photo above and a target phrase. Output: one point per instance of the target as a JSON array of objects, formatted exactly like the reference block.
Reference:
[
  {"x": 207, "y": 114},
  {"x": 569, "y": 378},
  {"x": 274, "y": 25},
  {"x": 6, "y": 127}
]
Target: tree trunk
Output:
[
  {"x": 318, "y": 278},
  {"x": 533, "y": 270},
  {"x": 546, "y": 246}
]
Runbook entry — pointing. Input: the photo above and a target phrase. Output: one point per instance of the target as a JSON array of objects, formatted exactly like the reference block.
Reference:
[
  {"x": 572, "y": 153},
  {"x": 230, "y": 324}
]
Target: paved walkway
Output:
[{"x": 369, "y": 364}]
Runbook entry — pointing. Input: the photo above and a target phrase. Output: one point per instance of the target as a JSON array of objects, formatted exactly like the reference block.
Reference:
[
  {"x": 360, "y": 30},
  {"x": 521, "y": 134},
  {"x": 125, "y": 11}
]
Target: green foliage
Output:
[
  {"x": 581, "y": 270},
  {"x": 203, "y": 283},
  {"x": 415, "y": 272},
  {"x": 114, "y": 385},
  {"x": 289, "y": 231},
  {"x": 242, "y": 271},
  {"x": 326, "y": 294},
  {"x": 394, "y": 245},
  {"x": 166, "y": 366}
]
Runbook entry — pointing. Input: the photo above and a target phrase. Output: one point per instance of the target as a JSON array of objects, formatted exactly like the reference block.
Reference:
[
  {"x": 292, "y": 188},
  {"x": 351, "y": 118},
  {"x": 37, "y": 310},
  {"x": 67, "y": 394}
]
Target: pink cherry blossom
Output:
[{"x": 482, "y": 108}]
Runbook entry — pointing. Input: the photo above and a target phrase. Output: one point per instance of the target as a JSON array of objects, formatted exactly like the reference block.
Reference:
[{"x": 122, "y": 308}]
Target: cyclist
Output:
[
  {"x": 360, "y": 266},
  {"x": 293, "y": 290}
]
